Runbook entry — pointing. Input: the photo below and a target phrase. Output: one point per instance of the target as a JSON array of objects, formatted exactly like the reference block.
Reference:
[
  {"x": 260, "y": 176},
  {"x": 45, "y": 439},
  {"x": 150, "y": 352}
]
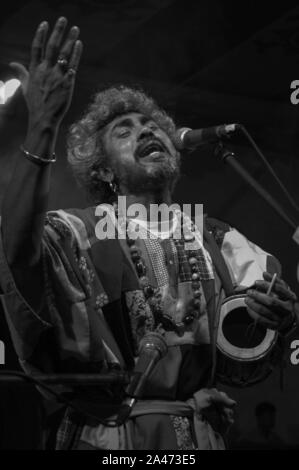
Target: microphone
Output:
[
  {"x": 186, "y": 138},
  {"x": 151, "y": 350}
]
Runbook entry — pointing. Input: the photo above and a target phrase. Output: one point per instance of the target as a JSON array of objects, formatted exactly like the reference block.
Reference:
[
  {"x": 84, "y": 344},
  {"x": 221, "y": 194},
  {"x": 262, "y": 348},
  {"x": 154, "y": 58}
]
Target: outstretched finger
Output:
[
  {"x": 67, "y": 49},
  {"x": 74, "y": 63},
  {"x": 55, "y": 40},
  {"x": 76, "y": 56},
  {"x": 38, "y": 44}
]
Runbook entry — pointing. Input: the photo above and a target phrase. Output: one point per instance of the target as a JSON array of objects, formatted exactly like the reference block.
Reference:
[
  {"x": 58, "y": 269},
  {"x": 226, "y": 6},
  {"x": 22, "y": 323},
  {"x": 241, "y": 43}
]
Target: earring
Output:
[{"x": 113, "y": 187}]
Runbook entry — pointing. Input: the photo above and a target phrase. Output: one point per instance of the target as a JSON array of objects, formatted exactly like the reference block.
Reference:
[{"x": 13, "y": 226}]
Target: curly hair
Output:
[{"x": 85, "y": 149}]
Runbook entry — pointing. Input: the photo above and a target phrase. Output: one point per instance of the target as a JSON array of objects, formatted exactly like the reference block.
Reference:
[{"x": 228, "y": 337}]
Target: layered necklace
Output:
[{"x": 154, "y": 297}]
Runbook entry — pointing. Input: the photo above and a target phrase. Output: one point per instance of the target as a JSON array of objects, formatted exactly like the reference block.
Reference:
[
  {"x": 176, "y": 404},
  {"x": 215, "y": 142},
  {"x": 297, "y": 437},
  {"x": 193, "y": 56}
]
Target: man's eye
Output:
[
  {"x": 124, "y": 133},
  {"x": 153, "y": 127}
]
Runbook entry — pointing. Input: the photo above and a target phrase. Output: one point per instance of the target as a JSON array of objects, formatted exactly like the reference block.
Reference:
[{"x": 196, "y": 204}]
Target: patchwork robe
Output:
[{"x": 94, "y": 314}]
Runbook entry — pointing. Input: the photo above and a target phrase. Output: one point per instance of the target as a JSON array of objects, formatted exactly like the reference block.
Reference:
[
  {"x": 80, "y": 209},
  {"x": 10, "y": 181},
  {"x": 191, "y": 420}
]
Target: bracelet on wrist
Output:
[{"x": 36, "y": 159}]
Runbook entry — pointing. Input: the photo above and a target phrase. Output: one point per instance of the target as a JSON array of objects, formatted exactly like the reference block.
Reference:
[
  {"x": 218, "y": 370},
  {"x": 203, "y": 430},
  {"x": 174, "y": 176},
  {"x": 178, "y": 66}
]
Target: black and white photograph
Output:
[{"x": 149, "y": 228}]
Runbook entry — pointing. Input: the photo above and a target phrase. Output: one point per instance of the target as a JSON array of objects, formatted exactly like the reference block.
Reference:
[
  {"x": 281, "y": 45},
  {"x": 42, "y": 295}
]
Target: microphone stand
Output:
[
  {"x": 16, "y": 377},
  {"x": 44, "y": 382},
  {"x": 228, "y": 157}
]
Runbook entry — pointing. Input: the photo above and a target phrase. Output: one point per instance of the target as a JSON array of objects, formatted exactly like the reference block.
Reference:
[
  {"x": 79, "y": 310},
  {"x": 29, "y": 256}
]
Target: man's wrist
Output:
[
  {"x": 41, "y": 138},
  {"x": 42, "y": 126}
]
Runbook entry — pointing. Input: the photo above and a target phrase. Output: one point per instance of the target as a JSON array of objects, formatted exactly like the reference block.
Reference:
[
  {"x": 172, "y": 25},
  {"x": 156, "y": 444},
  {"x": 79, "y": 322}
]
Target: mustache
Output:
[{"x": 150, "y": 143}]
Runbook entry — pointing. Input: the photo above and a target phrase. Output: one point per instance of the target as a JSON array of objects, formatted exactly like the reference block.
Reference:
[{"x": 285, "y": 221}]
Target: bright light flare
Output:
[{"x": 8, "y": 89}]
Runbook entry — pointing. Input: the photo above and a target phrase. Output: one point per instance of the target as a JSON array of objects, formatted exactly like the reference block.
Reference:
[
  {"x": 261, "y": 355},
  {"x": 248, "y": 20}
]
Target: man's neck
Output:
[{"x": 148, "y": 199}]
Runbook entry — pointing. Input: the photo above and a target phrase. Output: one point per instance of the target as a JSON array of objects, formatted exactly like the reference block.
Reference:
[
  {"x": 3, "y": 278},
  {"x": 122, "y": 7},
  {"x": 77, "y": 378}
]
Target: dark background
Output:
[{"x": 206, "y": 62}]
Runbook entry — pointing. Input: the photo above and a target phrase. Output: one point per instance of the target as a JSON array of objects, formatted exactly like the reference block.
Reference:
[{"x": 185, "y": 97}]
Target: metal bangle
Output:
[{"x": 36, "y": 159}]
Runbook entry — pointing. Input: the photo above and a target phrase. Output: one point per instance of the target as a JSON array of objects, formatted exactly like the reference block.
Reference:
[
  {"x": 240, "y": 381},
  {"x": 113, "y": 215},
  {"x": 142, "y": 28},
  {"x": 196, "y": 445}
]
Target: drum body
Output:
[{"x": 247, "y": 352}]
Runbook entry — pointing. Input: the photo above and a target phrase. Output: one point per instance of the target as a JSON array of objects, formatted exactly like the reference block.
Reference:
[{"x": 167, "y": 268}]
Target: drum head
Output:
[{"x": 239, "y": 337}]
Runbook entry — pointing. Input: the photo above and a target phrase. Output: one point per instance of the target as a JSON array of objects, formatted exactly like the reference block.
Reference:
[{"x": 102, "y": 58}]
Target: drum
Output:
[{"x": 247, "y": 352}]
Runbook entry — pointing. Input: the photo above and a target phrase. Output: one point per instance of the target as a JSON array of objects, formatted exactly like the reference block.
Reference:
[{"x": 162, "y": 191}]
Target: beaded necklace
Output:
[{"x": 154, "y": 297}]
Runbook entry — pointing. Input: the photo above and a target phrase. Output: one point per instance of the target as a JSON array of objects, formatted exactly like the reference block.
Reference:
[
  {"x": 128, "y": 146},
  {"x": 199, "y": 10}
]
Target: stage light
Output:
[{"x": 8, "y": 89}]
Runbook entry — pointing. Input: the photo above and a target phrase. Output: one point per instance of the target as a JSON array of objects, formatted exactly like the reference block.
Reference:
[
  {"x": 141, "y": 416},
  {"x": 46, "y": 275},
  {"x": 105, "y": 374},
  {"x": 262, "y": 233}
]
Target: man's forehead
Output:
[{"x": 127, "y": 118}]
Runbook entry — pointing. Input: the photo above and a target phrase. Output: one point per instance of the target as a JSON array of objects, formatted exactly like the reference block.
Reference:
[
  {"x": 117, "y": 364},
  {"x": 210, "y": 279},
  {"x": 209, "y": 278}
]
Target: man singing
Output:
[{"x": 78, "y": 303}]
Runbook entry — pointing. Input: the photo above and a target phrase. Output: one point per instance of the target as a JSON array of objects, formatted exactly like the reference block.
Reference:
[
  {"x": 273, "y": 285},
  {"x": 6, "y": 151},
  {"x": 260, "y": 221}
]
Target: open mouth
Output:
[{"x": 152, "y": 149}]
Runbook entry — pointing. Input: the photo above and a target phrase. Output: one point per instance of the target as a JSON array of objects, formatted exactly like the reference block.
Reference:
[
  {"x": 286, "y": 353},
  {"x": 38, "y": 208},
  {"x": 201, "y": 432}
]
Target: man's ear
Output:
[{"x": 106, "y": 174}]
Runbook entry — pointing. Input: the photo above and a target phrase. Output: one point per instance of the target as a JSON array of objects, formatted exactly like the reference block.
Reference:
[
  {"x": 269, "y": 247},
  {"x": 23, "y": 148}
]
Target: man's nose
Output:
[{"x": 144, "y": 132}]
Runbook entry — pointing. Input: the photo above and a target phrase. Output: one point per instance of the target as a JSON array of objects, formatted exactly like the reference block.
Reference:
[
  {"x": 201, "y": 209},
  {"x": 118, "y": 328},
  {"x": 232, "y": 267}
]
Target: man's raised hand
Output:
[{"x": 48, "y": 84}]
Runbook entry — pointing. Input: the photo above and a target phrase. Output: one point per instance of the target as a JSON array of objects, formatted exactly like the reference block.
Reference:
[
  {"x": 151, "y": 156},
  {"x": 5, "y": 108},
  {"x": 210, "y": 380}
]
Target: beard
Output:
[{"x": 155, "y": 177}]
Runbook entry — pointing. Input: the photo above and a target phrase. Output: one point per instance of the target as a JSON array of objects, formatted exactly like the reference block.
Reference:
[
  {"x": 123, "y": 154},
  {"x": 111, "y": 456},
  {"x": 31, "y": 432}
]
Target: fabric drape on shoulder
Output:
[
  {"x": 245, "y": 260},
  {"x": 75, "y": 296}
]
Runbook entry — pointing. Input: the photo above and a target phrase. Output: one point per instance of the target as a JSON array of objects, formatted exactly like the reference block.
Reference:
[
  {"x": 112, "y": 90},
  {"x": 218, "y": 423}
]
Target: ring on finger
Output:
[
  {"x": 62, "y": 62},
  {"x": 71, "y": 71}
]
